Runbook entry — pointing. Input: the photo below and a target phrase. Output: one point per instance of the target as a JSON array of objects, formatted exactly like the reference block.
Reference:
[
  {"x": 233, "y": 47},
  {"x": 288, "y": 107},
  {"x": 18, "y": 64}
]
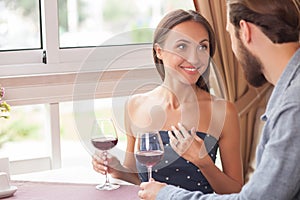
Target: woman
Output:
[{"x": 183, "y": 45}]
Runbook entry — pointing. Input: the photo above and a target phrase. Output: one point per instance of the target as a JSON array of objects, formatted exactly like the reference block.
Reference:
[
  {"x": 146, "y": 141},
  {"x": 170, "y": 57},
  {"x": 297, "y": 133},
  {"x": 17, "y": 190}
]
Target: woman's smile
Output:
[{"x": 191, "y": 70}]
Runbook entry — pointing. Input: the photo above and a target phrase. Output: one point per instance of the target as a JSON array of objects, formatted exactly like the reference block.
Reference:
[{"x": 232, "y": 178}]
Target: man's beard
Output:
[{"x": 251, "y": 65}]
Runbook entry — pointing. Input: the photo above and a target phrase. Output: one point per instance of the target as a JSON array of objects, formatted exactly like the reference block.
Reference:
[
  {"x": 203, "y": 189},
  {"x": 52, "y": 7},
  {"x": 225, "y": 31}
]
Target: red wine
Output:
[
  {"x": 149, "y": 158},
  {"x": 104, "y": 143}
]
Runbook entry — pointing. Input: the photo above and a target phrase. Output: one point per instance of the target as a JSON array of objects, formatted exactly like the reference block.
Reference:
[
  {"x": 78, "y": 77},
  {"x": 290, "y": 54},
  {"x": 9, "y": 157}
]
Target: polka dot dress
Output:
[{"x": 177, "y": 171}]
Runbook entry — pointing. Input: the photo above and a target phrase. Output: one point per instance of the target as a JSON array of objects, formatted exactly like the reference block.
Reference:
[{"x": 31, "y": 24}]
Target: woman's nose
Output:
[
  {"x": 198, "y": 58},
  {"x": 193, "y": 58}
]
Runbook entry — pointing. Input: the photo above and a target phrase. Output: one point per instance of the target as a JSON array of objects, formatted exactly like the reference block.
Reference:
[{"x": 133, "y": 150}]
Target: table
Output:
[
  {"x": 76, "y": 183},
  {"x": 31, "y": 190},
  {"x": 78, "y": 174}
]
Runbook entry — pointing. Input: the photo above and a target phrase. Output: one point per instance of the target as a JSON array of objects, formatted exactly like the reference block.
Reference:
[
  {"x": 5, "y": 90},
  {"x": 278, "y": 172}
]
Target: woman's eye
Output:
[
  {"x": 202, "y": 47},
  {"x": 181, "y": 46}
]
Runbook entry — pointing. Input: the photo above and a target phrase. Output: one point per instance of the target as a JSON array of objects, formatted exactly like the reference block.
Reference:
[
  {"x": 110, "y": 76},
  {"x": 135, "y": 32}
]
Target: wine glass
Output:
[
  {"x": 104, "y": 137},
  {"x": 149, "y": 150}
]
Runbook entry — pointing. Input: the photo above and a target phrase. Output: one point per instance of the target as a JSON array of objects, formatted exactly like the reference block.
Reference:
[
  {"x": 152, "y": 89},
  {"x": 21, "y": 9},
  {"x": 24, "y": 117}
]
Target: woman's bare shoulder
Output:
[
  {"x": 137, "y": 100},
  {"x": 228, "y": 106}
]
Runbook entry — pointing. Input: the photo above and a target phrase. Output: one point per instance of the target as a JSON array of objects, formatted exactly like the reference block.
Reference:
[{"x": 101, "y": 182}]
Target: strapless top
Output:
[{"x": 177, "y": 171}]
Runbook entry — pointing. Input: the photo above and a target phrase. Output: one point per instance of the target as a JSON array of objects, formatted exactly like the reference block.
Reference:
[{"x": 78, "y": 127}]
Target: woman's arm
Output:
[
  {"x": 130, "y": 174},
  {"x": 129, "y": 171},
  {"x": 112, "y": 165},
  {"x": 230, "y": 180}
]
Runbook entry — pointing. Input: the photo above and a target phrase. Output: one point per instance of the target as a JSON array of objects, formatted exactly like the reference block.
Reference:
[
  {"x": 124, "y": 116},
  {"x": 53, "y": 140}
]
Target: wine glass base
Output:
[{"x": 107, "y": 186}]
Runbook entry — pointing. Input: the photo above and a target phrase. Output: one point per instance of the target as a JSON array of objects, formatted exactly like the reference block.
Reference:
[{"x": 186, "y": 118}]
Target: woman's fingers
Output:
[
  {"x": 173, "y": 139},
  {"x": 183, "y": 131},
  {"x": 99, "y": 164},
  {"x": 187, "y": 137},
  {"x": 182, "y": 139},
  {"x": 101, "y": 159},
  {"x": 99, "y": 168},
  {"x": 177, "y": 133},
  {"x": 193, "y": 132},
  {"x": 178, "y": 145},
  {"x": 187, "y": 144}
]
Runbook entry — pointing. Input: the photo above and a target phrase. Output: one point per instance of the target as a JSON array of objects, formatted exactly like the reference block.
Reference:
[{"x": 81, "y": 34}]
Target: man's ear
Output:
[
  {"x": 158, "y": 50},
  {"x": 245, "y": 31}
]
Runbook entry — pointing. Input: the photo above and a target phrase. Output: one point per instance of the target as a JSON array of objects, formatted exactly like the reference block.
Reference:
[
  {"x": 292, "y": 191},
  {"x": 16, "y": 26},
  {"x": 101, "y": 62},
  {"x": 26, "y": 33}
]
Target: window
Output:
[
  {"x": 25, "y": 136},
  {"x": 58, "y": 28},
  {"x": 46, "y": 44},
  {"x": 26, "y": 124},
  {"x": 110, "y": 22},
  {"x": 20, "y": 25},
  {"x": 20, "y": 32}
]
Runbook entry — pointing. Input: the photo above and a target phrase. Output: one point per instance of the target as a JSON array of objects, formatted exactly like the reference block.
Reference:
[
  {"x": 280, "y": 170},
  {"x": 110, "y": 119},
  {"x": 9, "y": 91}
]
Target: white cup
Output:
[{"x": 4, "y": 181}]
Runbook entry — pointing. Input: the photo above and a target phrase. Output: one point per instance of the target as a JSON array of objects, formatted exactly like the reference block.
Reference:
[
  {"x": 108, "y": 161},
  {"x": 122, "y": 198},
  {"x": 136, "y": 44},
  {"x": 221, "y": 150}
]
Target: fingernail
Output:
[
  {"x": 179, "y": 124},
  {"x": 173, "y": 127}
]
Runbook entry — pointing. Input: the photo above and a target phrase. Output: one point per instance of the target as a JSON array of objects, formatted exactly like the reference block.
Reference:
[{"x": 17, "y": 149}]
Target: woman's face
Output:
[{"x": 186, "y": 52}]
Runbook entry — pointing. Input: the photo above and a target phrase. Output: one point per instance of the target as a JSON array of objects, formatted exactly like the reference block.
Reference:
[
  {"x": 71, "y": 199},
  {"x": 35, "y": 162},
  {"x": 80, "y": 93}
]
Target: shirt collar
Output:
[{"x": 283, "y": 83}]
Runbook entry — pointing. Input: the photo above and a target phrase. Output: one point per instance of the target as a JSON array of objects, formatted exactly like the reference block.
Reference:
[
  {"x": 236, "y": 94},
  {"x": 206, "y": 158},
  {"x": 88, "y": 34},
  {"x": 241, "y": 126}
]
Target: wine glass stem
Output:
[
  {"x": 149, "y": 173},
  {"x": 106, "y": 179},
  {"x": 106, "y": 176}
]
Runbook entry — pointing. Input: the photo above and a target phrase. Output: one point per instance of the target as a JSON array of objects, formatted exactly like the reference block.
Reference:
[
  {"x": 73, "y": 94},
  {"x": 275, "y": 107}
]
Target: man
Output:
[{"x": 265, "y": 40}]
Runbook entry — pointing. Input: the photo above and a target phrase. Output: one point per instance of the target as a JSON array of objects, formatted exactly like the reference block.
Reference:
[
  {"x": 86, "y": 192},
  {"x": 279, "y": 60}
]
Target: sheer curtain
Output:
[{"x": 246, "y": 98}]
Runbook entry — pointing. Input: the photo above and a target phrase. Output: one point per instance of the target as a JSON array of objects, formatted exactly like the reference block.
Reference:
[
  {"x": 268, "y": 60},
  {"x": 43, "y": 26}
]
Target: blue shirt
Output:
[{"x": 277, "y": 175}]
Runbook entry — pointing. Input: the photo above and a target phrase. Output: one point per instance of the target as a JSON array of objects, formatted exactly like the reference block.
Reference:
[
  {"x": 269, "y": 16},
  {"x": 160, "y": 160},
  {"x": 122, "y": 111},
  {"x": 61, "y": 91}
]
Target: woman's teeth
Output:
[{"x": 189, "y": 69}]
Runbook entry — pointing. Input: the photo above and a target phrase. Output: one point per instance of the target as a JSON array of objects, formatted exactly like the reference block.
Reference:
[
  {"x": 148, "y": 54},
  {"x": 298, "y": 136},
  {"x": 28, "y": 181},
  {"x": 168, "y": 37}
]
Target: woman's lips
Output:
[{"x": 190, "y": 70}]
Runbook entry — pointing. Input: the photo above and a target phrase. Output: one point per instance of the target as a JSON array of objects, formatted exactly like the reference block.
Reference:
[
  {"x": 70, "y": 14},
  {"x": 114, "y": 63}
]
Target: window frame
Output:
[{"x": 59, "y": 60}]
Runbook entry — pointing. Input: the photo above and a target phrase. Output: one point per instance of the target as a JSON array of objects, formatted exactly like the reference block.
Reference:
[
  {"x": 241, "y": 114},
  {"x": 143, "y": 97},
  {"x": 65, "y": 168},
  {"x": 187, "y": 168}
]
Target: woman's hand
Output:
[
  {"x": 188, "y": 145},
  {"x": 103, "y": 164},
  {"x": 149, "y": 190}
]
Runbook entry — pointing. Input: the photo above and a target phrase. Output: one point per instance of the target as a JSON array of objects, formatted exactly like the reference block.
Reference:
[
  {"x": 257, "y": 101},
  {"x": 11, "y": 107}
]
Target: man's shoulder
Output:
[{"x": 292, "y": 92}]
